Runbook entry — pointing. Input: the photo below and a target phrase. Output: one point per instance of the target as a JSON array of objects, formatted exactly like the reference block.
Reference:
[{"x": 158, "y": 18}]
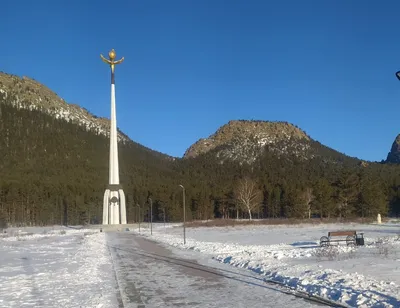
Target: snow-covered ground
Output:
[
  {"x": 367, "y": 276},
  {"x": 63, "y": 267},
  {"x": 56, "y": 267}
]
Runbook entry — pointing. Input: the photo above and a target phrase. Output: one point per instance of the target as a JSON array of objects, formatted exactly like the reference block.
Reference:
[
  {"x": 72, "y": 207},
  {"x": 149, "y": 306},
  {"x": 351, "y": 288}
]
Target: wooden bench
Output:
[{"x": 350, "y": 237}]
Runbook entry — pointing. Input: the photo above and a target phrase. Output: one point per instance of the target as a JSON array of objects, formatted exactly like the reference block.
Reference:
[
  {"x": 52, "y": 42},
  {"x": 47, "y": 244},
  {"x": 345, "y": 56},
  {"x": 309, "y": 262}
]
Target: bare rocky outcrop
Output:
[
  {"x": 394, "y": 154},
  {"x": 244, "y": 140}
]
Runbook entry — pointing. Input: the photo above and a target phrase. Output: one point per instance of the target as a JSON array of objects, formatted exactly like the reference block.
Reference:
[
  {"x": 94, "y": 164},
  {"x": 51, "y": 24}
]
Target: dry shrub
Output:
[
  {"x": 89, "y": 233},
  {"x": 271, "y": 221},
  {"x": 384, "y": 247},
  {"x": 326, "y": 253}
]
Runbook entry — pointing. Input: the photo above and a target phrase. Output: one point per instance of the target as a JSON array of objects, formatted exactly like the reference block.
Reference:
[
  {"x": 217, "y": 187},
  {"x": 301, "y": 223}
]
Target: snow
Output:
[
  {"x": 56, "y": 267},
  {"x": 367, "y": 276},
  {"x": 150, "y": 275}
]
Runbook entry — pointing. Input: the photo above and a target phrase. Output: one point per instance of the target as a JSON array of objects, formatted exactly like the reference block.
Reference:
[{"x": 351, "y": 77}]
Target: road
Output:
[{"x": 150, "y": 275}]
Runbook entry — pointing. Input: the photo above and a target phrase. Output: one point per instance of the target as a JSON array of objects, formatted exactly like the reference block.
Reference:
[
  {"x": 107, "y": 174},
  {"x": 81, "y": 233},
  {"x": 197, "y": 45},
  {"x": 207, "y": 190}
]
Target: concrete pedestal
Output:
[{"x": 114, "y": 207}]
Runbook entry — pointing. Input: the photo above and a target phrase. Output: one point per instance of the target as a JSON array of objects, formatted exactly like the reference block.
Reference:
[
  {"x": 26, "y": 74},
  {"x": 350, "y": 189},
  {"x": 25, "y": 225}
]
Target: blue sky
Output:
[{"x": 191, "y": 66}]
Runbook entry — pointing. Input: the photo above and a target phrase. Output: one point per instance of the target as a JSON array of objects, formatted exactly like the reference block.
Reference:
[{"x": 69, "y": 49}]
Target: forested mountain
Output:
[
  {"x": 29, "y": 94},
  {"x": 54, "y": 169}
]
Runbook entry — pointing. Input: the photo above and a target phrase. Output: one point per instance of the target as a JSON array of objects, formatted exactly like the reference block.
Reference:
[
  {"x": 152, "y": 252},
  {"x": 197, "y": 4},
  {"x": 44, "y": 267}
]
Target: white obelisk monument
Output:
[{"x": 114, "y": 208}]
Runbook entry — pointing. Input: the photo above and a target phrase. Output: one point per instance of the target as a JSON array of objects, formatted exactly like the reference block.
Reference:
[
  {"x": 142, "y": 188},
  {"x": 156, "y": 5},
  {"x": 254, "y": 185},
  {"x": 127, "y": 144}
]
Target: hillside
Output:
[
  {"x": 394, "y": 153},
  {"x": 50, "y": 162},
  {"x": 295, "y": 174},
  {"x": 243, "y": 141},
  {"x": 246, "y": 141},
  {"x": 54, "y": 168},
  {"x": 27, "y": 93}
]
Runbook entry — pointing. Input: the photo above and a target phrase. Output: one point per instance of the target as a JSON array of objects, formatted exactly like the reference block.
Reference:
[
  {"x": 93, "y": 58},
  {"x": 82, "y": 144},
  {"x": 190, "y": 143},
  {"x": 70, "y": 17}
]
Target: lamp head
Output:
[{"x": 112, "y": 54}]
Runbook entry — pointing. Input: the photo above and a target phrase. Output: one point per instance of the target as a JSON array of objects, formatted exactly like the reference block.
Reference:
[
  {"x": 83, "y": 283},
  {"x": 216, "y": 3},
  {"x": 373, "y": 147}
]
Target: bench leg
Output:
[
  {"x": 324, "y": 241},
  {"x": 350, "y": 240}
]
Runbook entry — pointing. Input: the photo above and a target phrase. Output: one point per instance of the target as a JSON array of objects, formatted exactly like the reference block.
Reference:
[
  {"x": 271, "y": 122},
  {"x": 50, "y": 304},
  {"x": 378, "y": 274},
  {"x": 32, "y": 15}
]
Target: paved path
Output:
[{"x": 150, "y": 275}]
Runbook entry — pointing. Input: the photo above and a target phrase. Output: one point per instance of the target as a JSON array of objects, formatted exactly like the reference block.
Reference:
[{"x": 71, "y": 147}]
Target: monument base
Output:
[{"x": 114, "y": 207}]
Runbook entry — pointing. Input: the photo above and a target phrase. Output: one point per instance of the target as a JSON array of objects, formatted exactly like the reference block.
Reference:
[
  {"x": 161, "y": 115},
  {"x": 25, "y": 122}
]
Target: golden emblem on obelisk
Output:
[{"x": 111, "y": 62}]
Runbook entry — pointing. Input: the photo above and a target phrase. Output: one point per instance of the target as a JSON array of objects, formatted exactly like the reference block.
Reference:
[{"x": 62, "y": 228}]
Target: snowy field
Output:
[
  {"x": 56, "y": 267},
  {"x": 367, "y": 276},
  {"x": 63, "y": 267}
]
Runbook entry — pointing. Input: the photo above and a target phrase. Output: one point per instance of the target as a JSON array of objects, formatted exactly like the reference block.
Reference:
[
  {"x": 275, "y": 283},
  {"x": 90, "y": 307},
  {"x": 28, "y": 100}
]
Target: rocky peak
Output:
[
  {"x": 244, "y": 140},
  {"x": 394, "y": 154},
  {"x": 27, "y": 93}
]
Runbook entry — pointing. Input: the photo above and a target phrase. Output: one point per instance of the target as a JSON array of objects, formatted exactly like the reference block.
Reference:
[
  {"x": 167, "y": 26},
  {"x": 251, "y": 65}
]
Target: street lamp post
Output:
[
  {"x": 151, "y": 216},
  {"x": 184, "y": 214},
  {"x": 138, "y": 205}
]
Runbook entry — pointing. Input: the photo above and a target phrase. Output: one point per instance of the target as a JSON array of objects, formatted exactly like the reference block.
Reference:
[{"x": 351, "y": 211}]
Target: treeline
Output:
[
  {"x": 291, "y": 188},
  {"x": 55, "y": 172}
]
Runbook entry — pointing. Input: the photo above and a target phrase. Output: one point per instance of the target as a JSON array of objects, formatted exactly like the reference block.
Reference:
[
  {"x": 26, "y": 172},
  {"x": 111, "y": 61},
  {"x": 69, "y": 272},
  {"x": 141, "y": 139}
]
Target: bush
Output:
[
  {"x": 326, "y": 253},
  {"x": 384, "y": 247},
  {"x": 219, "y": 222}
]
